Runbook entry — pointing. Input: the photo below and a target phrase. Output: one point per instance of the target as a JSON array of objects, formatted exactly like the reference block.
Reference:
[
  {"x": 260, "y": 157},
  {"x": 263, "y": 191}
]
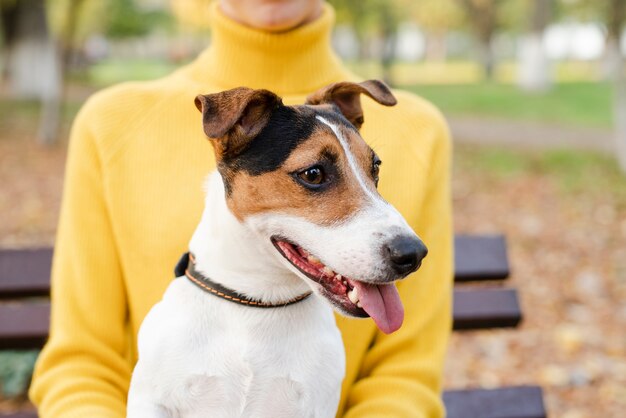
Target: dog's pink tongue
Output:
[{"x": 383, "y": 304}]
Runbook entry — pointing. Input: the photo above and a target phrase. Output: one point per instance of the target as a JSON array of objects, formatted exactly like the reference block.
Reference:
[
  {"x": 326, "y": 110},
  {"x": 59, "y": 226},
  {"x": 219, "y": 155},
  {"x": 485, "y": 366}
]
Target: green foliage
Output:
[
  {"x": 16, "y": 368},
  {"x": 578, "y": 170},
  {"x": 513, "y": 15},
  {"x": 115, "y": 18},
  {"x": 110, "y": 72},
  {"x": 370, "y": 15},
  {"x": 612, "y": 13},
  {"x": 483, "y": 15},
  {"x": 15, "y": 112},
  {"x": 573, "y": 171},
  {"x": 7, "y": 3},
  {"x": 437, "y": 15},
  {"x": 442, "y": 15},
  {"x": 86, "y": 16},
  {"x": 582, "y": 104},
  {"x": 127, "y": 20},
  {"x": 503, "y": 162},
  {"x": 355, "y": 13},
  {"x": 582, "y": 9}
]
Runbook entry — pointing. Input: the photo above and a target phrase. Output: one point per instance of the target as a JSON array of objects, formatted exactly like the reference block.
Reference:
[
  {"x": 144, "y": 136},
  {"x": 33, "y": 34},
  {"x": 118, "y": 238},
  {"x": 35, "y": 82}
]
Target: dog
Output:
[{"x": 293, "y": 227}]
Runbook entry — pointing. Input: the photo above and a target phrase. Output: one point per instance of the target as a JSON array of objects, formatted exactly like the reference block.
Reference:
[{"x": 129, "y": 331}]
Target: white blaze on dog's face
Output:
[{"x": 304, "y": 179}]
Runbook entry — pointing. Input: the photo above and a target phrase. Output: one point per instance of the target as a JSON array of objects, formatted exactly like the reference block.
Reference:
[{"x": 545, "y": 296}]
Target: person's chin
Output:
[{"x": 279, "y": 17}]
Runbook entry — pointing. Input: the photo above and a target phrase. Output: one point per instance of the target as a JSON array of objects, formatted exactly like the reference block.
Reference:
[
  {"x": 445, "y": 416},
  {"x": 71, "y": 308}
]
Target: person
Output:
[{"x": 132, "y": 198}]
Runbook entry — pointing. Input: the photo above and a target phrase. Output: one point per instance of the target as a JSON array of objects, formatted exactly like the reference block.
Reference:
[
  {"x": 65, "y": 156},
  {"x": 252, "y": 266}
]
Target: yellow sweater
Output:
[{"x": 132, "y": 199}]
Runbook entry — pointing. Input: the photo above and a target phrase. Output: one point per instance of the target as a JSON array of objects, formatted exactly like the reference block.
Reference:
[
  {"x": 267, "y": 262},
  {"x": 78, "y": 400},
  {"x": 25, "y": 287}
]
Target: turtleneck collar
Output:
[{"x": 288, "y": 63}]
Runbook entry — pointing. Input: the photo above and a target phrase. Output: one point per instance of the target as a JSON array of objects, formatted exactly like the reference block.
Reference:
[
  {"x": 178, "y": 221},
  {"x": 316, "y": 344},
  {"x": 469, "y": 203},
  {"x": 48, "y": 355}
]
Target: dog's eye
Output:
[
  {"x": 313, "y": 176},
  {"x": 376, "y": 170}
]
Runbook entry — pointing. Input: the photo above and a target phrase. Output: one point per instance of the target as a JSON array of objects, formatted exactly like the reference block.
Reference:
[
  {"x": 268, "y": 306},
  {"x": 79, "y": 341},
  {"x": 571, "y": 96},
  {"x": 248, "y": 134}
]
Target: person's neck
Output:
[
  {"x": 229, "y": 253},
  {"x": 296, "y": 62}
]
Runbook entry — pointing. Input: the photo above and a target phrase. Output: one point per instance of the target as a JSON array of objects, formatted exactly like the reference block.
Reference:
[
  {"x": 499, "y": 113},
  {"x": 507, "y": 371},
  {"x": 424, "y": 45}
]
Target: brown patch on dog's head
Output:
[
  {"x": 234, "y": 117},
  {"x": 265, "y": 149},
  {"x": 280, "y": 191},
  {"x": 347, "y": 97}
]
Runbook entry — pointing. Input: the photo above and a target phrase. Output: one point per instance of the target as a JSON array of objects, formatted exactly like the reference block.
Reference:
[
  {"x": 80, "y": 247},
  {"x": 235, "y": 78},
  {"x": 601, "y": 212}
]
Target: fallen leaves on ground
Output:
[{"x": 568, "y": 256}]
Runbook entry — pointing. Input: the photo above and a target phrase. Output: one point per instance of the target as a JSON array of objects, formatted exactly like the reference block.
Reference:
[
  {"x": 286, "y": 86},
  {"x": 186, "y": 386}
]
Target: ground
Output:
[{"x": 564, "y": 215}]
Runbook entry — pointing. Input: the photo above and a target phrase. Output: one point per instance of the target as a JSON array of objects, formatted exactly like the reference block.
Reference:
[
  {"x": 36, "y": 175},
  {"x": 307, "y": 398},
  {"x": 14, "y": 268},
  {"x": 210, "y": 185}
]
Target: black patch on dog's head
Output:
[{"x": 287, "y": 128}]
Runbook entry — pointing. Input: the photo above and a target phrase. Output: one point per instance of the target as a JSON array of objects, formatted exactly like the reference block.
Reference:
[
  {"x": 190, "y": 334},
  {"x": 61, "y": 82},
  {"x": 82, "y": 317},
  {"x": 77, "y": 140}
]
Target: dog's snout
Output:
[{"x": 405, "y": 253}]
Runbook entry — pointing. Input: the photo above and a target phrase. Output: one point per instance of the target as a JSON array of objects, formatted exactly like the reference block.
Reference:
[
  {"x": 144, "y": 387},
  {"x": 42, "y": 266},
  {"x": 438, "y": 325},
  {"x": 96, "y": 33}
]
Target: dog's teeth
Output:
[
  {"x": 328, "y": 271},
  {"x": 345, "y": 283},
  {"x": 353, "y": 296},
  {"x": 313, "y": 259},
  {"x": 338, "y": 277},
  {"x": 359, "y": 304}
]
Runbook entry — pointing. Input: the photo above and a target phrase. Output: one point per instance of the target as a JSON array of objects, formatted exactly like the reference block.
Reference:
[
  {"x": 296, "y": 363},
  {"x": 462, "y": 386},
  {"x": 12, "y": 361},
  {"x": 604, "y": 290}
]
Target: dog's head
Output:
[{"x": 304, "y": 179}]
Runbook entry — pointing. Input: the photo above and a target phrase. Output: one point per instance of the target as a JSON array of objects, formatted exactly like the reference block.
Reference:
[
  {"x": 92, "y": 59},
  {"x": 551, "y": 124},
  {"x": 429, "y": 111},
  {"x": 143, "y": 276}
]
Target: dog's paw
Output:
[
  {"x": 278, "y": 397},
  {"x": 208, "y": 393}
]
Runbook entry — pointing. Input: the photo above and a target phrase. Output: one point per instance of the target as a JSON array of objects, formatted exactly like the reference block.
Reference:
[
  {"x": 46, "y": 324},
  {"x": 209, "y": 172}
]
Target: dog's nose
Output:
[{"x": 405, "y": 253}]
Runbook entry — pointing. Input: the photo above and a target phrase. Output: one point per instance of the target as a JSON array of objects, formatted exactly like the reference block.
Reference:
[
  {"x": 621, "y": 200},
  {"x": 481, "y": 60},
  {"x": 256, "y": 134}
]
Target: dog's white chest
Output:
[{"x": 200, "y": 356}]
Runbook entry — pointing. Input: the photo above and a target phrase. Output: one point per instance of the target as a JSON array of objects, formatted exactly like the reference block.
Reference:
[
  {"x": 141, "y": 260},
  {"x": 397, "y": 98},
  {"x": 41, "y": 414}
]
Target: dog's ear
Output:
[
  {"x": 234, "y": 117},
  {"x": 347, "y": 96}
]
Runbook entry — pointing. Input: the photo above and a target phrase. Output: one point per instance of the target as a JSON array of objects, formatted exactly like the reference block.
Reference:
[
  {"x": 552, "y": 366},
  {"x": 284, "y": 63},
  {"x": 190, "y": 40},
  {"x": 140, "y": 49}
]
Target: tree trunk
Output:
[
  {"x": 30, "y": 54},
  {"x": 51, "y": 99},
  {"x": 389, "y": 27},
  {"x": 436, "y": 47},
  {"x": 68, "y": 37},
  {"x": 363, "y": 50},
  {"x": 619, "y": 103},
  {"x": 533, "y": 65},
  {"x": 533, "y": 72},
  {"x": 487, "y": 60},
  {"x": 388, "y": 57},
  {"x": 611, "y": 59},
  {"x": 33, "y": 69},
  {"x": 483, "y": 17},
  {"x": 616, "y": 13}
]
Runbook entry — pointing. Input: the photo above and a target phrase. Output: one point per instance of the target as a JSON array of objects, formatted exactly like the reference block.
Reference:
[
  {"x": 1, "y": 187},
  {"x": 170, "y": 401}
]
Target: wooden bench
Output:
[{"x": 25, "y": 314}]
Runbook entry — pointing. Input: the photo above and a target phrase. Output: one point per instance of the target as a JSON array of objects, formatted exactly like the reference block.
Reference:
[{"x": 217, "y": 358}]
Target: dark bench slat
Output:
[
  {"x": 27, "y": 272},
  {"x": 480, "y": 257},
  {"x": 25, "y": 324},
  {"x": 511, "y": 402},
  {"x": 486, "y": 308},
  {"x": 21, "y": 414}
]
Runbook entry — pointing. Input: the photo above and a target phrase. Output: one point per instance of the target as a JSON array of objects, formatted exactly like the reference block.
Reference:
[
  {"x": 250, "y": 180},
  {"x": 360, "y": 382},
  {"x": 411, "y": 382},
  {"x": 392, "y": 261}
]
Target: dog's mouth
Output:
[{"x": 353, "y": 297}]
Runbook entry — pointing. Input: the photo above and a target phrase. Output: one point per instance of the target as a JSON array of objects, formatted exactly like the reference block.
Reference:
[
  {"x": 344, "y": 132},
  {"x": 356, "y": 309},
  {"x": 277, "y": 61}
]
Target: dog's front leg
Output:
[
  {"x": 140, "y": 403},
  {"x": 138, "y": 408}
]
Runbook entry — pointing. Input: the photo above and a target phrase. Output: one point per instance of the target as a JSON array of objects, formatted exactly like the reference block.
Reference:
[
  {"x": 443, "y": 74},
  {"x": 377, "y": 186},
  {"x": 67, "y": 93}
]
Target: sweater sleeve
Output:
[
  {"x": 401, "y": 374},
  {"x": 84, "y": 369}
]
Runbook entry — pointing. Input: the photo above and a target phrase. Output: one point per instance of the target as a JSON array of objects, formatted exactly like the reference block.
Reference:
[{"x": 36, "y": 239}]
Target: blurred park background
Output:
[{"x": 535, "y": 95}]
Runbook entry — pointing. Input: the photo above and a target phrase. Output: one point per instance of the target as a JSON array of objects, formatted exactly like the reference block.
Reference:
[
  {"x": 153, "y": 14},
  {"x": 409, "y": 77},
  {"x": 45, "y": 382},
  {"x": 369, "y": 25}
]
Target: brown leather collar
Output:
[{"x": 187, "y": 267}]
